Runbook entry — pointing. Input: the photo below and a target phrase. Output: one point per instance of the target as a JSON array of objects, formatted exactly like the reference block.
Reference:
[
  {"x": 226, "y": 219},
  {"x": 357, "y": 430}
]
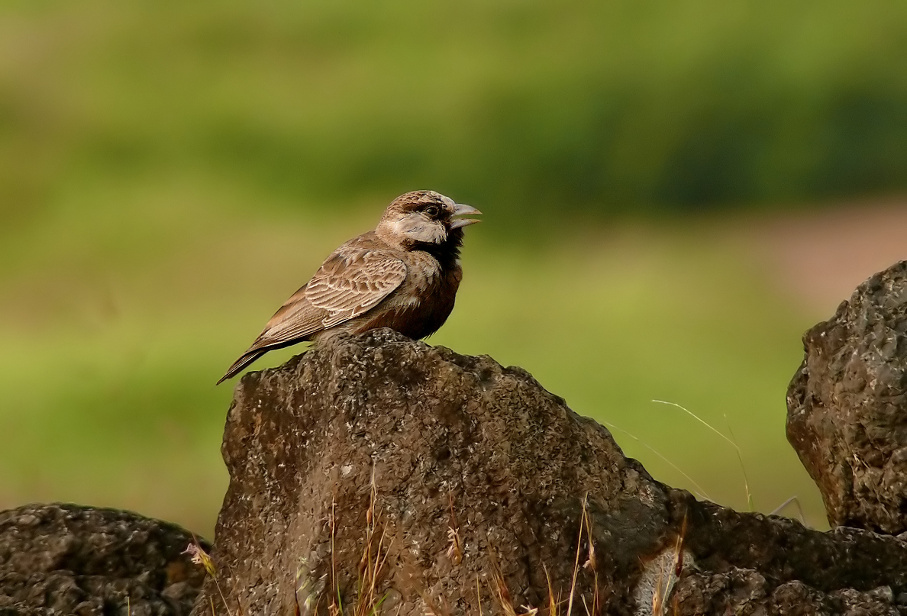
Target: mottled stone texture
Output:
[
  {"x": 440, "y": 437},
  {"x": 847, "y": 406},
  {"x": 387, "y": 446},
  {"x": 67, "y": 559},
  {"x": 755, "y": 564},
  {"x": 746, "y": 593}
]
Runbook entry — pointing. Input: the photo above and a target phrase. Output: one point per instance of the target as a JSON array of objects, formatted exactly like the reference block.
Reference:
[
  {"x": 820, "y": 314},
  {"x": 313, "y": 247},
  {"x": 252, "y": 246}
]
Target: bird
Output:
[{"x": 404, "y": 275}]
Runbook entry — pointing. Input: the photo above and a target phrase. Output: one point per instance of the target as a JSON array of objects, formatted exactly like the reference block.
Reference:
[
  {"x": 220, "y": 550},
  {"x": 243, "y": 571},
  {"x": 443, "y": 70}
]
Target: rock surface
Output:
[
  {"x": 378, "y": 469},
  {"x": 67, "y": 559},
  {"x": 847, "y": 406}
]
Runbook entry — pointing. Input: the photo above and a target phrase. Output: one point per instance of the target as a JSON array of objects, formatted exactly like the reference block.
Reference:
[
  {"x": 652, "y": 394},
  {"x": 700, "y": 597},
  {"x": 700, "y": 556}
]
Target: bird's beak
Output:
[{"x": 461, "y": 209}]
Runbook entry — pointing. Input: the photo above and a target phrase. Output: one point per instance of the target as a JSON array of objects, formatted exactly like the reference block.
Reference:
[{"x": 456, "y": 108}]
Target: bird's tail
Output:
[{"x": 242, "y": 362}]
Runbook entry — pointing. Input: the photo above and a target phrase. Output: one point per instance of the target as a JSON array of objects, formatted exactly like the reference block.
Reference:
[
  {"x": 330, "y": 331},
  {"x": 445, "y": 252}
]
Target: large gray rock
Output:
[
  {"x": 847, "y": 406},
  {"x": 68, "y": 559},
  {"x": 379, "y": 469}
]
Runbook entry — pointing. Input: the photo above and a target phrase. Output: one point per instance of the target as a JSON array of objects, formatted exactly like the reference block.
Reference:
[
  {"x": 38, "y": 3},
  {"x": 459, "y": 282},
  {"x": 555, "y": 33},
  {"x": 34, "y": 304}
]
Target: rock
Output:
[
  {"x": 68, "y": 559},
  {"x": 744, "y": 591},
  {"x": 847, "y": 406},
  {"x": 756, "y": 564},
  {"x": 375, "y": 469}
]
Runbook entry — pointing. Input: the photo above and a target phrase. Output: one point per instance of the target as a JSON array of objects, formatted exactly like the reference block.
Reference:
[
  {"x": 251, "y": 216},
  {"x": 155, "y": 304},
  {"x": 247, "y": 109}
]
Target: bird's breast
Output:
[{"x": 422, "y": 302}]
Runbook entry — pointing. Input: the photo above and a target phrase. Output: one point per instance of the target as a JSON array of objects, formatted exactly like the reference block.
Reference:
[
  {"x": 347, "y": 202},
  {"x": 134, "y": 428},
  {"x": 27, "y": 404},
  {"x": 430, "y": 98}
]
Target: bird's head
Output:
[{"x": 424, "y": 219}]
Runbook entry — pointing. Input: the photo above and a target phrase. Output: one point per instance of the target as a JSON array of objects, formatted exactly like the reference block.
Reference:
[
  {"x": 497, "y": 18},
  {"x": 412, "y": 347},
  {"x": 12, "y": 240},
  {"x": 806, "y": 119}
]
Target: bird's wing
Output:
[
  {"x": 350, "y": 282},
  {"x": 294, "y": 320},
  {"x": 353, "y": 282}
]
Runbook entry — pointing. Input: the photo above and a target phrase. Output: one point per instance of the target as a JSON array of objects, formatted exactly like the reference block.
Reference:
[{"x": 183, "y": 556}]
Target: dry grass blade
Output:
[
  {"x": 455, "y": 547},
  {"x": 796, "y": 501},
  {"x": 336, "y": 605},
  {"x": 746, "y": 480},
  {"x": 700, "y": 491},
  {"x": 553, "y": 603},
  {"x": 373, "y": 560},
  {"x": 729, "y": 439},
  {"x": 368, "y": 601},
  {"x": 502, "y": 592},
  {"x": 590, "y": 564},
  {"x": 499, "y": 587},
  {"x": 478, "y": 595},
  {"x": 199, "y": 556},
  {"x": 576, "y": 567}
]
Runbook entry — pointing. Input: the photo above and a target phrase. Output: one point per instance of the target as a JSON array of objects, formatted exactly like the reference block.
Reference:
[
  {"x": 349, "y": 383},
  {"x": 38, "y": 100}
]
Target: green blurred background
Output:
[{"x": 672, "y": 193}]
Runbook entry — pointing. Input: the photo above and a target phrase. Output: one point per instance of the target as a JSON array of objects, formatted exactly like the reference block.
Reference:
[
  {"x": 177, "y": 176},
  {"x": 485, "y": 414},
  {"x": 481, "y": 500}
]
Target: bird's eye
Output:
[{"x": 431, "y": 211}]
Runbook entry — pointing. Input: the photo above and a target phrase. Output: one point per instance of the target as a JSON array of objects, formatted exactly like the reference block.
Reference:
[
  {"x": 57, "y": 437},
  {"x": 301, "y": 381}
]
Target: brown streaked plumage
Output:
[{"x": 403, "y": 275}]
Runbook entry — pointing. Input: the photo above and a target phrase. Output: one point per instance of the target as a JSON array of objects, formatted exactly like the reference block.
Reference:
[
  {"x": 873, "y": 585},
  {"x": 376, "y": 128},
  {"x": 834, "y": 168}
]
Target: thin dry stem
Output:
[
  {"x": 478, "y": 595},
  {"x": 552, "y": 602},
  {"x": 730, "y": 440},
  {"x": 579, "y": 544},
  {"x": 199, "y": 556},
  {"x": 455, "y": 549},
  {"x": 371, "y": 564},
  {"x": 500, "y": 586},
  {"x": 333, "y": 608},
  {"x": 700, "y": 491},
  {"x": 746, "y": 481},
  {"x": 590, "y": 565},
  {"x": 796, "y": 501}
]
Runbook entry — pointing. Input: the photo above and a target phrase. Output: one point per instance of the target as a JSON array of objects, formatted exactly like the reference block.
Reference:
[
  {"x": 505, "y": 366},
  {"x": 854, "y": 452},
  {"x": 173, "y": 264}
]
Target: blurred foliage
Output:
[
  {"x": 109, "y": 367},
  {"x": 611, "y": 107},
  {"x": 171, "y": 171}
]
